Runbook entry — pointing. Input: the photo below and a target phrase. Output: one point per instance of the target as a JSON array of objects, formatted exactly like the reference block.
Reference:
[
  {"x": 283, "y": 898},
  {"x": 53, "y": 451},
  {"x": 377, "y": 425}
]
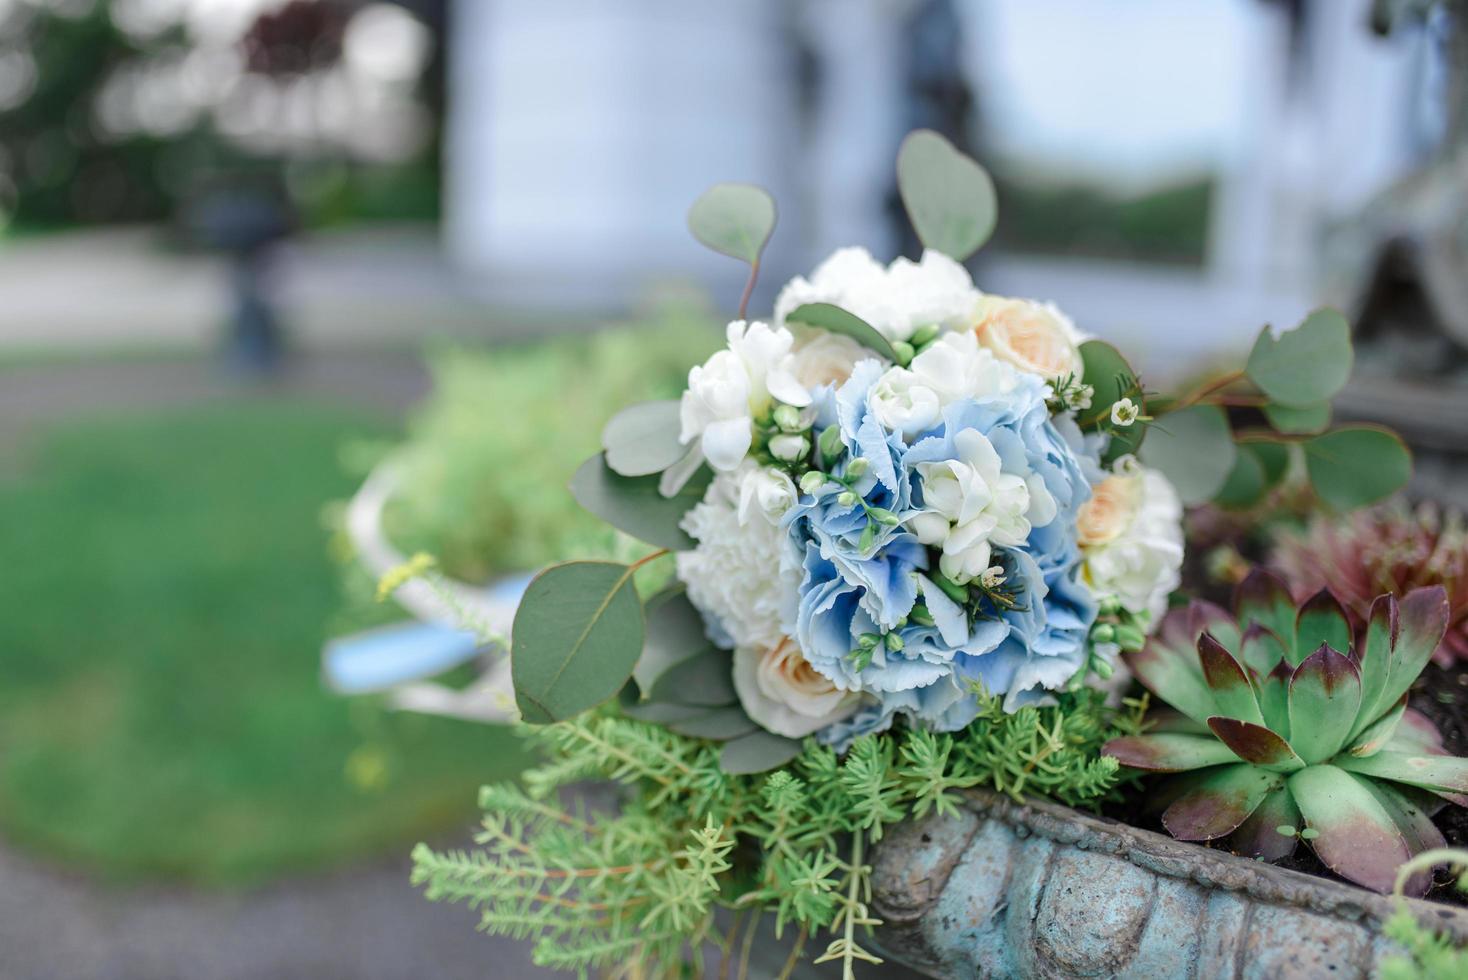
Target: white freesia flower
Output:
[
  {"x": 731, "y": 387},
  {"x": 971, "y": 503},
  {"x": 902, "y": 403},
  {"x": 782, "y": 693},
  {"x": 956, "y": 367},
  {"x": 735, "y": 576},
  {"x": 1034, "y": 337},
  {"x": 896, "y": 299},
  {"x": 1131, "y": 538},
  {"x": 824, "y": 358}
]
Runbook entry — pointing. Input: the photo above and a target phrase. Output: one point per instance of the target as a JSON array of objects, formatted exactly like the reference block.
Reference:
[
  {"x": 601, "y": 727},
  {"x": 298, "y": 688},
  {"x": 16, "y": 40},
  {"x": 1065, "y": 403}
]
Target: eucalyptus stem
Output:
[
  {"x": 748, "y": 287},
  {"x": 1208, "y": 388}
]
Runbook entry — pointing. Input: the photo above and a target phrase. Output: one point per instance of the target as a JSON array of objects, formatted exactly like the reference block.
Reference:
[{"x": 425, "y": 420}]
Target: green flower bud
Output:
[
  {"x": 1103, "y": 668},
  {"x": 924, "y": 335},
  {"x": 857, "y": 468},
  {"x": 812, "y": 481},
  {"x": 1130, "y": 637},
  {"x": 847, "y": 499},
  {"x": 1104, "y": 633},
  {"x": 904, "y": 352},
  {"x": 831, "y": 445},
  {"x": 868, "y": 640},
  {"x": 883, "y": 516},
  {"x": 787, "y": 417},
  {"x": 788, "y": 447},
  {"x": 894, "y": 642},
  {"x": 958, "y": 593},
  {"x": 921, "y": 616}
]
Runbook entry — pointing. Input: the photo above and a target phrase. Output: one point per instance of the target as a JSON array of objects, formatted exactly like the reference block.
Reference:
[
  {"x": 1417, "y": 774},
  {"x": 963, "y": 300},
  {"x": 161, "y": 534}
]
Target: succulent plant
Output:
[
  {"x": 1291, "y": 725},
  {"x": 1392, "y": 548}
]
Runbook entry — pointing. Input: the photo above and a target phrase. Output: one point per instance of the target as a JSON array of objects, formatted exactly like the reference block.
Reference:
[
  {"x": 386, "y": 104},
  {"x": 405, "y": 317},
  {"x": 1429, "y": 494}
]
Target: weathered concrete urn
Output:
[{"x": 1039, "y": 890}]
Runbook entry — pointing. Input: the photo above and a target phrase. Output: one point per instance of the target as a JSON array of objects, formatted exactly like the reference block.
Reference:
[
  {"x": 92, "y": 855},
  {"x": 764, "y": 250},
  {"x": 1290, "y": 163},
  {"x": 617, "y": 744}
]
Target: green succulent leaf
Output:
[
  {"x": 1422, "y": 619},
  {"x": 643, "y": 439},
  {"x": 1380, "y": 732},
  {"x": 1256, "y": 744},
  {"x": 758, "y": 751},
  {"x": 1322, "y": 621},
  {"x": 634, "y": 505},
  {"x": 1416, "y": 733},
  {"x": 1304, "y": 366},
  {"x": 1167, "y": 752},
  {"x": 1304, "y": 420},
  {"x": 734, "y": 220},
  {"x": 1162, "y": 720},
  {"x": 1274, "y": 698},
  {"x": 1263, "y": 598},
  {"x": 1357, "y": 465},
  {"x": 1260, "y": 649},
  {"x": 1435, "y": 773},
  {"x": 717, "y": 724},
  {"x": 1227, "y": 682},
  {"x": 576, "y": 636},
  {"x": 1259, "y": 836},
  {"x": 1325, "y": 694},
  {"x": 1220, "y": 801},
  {"x": 1375, "y": 657},
  {"x": 833, "y": 319},
  {"x": 949, "y": 198},
  {"x": 1206, "y": 617},
  {"x": 1167, "y": 673},
  {"x": 1415, "y": 826},
  {"x": 1358, "y": 839},
  {"x": 1194, "y": 448}
]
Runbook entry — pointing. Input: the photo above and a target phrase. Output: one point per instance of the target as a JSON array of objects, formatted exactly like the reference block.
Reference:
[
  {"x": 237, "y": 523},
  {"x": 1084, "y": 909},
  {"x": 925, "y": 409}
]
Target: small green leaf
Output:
[
  {"x": 1357, "y": 465},
  {"x": 643, "y": 439},
  {"x": 1308, "y": 419},
  {"x": 1165, "y": 752},
  {"x": 832, "y": 318},
  {"x": 1304, "y": 366},
  {"x": 1193, "y": 448},
  {"x": 759, "y": 751},
  {"x": 1244, "y": 487},
  {"x": 634, "y": 505},
  {"x": 734, "y": 220},
  {"x": 577, "y": 634},
  {"x": 1325, "y": 694},
  {"x": 1112, "y": 378},
  {"x": 949, "y": 197}
]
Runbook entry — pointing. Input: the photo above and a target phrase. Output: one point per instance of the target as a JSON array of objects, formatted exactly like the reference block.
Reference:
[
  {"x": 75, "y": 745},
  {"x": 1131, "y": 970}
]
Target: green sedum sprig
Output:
[{"x": 642, "y": 882}]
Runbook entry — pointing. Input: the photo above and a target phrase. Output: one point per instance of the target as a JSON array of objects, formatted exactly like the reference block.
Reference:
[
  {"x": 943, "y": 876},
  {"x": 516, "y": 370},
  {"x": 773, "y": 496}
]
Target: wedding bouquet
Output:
[{"x": 911, "y": 527}]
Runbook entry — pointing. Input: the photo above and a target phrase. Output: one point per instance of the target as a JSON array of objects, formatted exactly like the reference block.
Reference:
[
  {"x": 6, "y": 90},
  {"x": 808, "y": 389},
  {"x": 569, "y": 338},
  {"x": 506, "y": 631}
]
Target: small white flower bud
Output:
[
  {"x": 787, "y": 417},
  {"x": 812, "y": 481},
  {"x": 789, "y": 447}
]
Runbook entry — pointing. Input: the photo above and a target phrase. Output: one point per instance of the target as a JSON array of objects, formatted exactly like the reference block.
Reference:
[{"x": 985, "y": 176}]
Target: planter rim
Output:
[{"x": 1165, "y": 856}]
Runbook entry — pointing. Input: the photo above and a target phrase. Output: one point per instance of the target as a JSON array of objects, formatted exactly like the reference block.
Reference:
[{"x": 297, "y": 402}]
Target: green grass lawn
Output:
[{"x": 165, "y": 590}]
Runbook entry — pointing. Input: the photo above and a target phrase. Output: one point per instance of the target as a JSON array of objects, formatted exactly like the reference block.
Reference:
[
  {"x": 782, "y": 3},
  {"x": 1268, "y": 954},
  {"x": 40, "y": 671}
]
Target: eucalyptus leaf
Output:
[
  {"x": 949, "y": 198},
  {"x": 834, "y": 319},
  {"x": 1307, "y": 419},
  {"x": 675, "y": 632},
  {"x": 1273, "y": 457},
  {"x": 642, "y": 439},
  {"x": 734, "y": 219},
  {"x": 1193, "y": 448},
  {"x": 577, "y": 634},
  {"x": 1357, "y": 465},
  {"x": 633, "y": 503},
  {"x": 1111, "y": 378},
  {"x": 759, "y": 751},
  {"x": 664, "y": 712},
  {"x": 1245, "y": 484},
  {"x": 719, "y": 724},
  {"x": 706, "y": 678},
  {"x": 1304, "y": 366}
]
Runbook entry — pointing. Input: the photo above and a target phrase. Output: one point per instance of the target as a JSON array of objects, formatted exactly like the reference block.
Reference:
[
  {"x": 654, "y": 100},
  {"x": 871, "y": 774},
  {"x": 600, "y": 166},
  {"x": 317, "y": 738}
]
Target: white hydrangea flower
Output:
[
  {"x": 1131, "y": 538},
  {"x": 735, "y": 576},
  {"x": 896, "y": 299},
  {"x": 782, "y": 693},
  {"x": 971, "y": 504},
  {"x": 731, "y": 387}
]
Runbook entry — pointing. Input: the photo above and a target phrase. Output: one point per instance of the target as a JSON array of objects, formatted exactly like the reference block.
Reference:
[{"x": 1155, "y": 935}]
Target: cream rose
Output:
[
  {"x": 781, "y": 692},
  {"x": 1131, "y": 537},
  {"x": 823, "y": 358},
  {"x": 1034, "y": 337},
  {"x": 1109, "y": 512}
]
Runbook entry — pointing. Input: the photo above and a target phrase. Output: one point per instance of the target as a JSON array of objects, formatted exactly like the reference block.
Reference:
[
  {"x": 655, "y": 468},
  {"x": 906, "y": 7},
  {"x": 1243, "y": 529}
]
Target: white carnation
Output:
[
  {"x": 734, "y": 385},
  {"x": 896, "y": 299},
  {"x": 1131, "y": 536},
  {"x": 735, "y": 575},
  {"x": 902, "y": 403}
]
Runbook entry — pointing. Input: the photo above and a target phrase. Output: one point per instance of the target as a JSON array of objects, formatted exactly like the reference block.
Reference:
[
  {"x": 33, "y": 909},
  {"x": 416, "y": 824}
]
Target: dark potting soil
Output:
[{"x": 1441, "y": 693}]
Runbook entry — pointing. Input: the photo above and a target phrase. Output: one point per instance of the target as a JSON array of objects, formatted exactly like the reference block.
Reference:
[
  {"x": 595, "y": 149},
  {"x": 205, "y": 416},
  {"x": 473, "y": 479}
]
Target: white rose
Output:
[
  {"x": 902, "y": 404},
  {"x": 735, "y": 575},
  {"x": 781, "y": 692},
  {"x": 1131, "y": 537},
  {"x": 731, "y": 387},
  {"x": 824, "y": 358},
  {"x": 956, "y": 367},
  {"x": 765, "y": 492},
  {"x": 1034, "y": 337},
  {"x": 896, "y": 300},
  {"x": 970, "y": 503}
]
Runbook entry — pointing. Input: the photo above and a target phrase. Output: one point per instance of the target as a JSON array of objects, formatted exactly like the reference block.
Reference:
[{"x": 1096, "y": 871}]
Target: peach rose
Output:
[
  {"x": 1034, "y": 337},
  {"x": 781, "y": 692},
  {"x": 1109, "y": 512}
]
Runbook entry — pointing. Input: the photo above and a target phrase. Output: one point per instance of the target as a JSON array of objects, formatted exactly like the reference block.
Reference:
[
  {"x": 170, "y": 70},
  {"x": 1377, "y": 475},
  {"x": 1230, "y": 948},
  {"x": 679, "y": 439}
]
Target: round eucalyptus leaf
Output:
[
  {"x": 1111, "y": 378},
  {"x": 949, "y": 197},
  {"x": 734, "y": 219},
  {"x": 1304, "y": 366},
  {"x": 1193, "y": 448},
  {"x": 1273, "y": 458},
  {"x": 707, "y": 678},
  {"x": 834, "y": 319},
  {"x": 577, "y": 634},
  {"x": 717, "y": 724},
  {"x": 642, "y": 439},
  {"x": 1303, "y": 420},
  {"x": 1245, "y": 484},
  {"x": 675, "y": 632},
  {"x": 1357, "y": 465},
  {"x": 633, "y": 503},
  {"x": 759, "y": 751}
]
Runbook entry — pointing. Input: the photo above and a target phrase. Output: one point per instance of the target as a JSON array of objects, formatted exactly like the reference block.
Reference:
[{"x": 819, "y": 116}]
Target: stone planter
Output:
[{"x": 1039, "y": 890}]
